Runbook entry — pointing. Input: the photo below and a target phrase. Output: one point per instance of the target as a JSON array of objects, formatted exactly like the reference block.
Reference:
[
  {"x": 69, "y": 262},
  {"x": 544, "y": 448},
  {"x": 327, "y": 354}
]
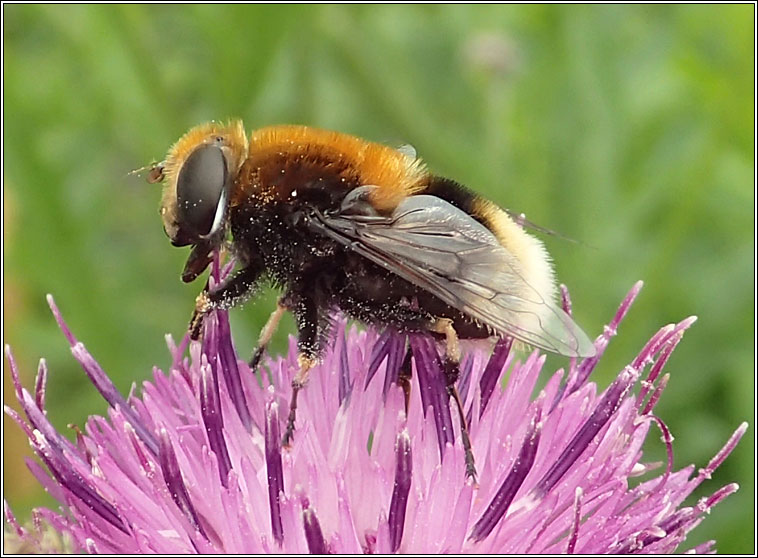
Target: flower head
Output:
[{"x": 195, "y": 463}]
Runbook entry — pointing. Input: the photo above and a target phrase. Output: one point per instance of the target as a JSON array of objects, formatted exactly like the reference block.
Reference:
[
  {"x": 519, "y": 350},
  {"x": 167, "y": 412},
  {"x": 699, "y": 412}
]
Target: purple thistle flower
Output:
[{"x": 196, "y": 465}]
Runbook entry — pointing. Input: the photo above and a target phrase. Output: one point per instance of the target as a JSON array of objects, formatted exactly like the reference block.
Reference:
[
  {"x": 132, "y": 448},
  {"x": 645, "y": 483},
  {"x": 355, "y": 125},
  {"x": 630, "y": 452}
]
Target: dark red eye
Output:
[{"x": 198, "y": 190}]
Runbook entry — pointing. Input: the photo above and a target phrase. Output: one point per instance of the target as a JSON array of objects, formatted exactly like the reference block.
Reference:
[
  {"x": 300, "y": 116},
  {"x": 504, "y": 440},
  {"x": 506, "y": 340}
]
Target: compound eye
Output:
[{"x": 198, "y": 190}]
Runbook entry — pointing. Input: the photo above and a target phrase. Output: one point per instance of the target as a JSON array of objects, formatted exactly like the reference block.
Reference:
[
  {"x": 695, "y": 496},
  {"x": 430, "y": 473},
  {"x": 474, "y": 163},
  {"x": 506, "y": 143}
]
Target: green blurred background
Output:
[{"x": 629, "y": 129}]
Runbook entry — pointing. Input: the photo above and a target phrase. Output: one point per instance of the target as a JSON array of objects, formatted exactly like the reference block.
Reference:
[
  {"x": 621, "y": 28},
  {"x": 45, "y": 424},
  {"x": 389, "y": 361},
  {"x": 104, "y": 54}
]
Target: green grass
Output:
[{"x": 628, "y": 128}]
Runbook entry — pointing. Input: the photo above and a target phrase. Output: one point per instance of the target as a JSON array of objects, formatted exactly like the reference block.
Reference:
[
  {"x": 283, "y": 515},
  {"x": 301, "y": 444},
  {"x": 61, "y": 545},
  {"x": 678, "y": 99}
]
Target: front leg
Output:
[{"x": 232, "y": 292}]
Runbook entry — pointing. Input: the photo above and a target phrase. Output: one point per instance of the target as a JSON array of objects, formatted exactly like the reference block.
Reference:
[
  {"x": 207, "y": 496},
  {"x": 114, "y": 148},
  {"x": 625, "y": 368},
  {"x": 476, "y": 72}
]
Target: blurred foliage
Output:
[{"x": 628, "y": 128}]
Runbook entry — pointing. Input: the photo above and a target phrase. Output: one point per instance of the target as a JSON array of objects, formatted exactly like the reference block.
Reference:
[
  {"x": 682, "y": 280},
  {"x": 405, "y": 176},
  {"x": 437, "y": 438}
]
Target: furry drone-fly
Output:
[{"x": 341, "y": 223}]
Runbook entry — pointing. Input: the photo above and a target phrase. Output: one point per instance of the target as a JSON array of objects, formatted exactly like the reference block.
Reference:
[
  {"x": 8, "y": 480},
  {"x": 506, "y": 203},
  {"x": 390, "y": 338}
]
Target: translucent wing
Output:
[
  {"x": 436, "y": 246},
  {"x": 408, "y": 150}
]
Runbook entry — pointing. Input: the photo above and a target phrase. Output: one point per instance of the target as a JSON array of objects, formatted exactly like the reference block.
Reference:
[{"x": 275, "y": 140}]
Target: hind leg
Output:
[
  {"x": 452, "y": 372},
  {"x": 404, "y": 377}
]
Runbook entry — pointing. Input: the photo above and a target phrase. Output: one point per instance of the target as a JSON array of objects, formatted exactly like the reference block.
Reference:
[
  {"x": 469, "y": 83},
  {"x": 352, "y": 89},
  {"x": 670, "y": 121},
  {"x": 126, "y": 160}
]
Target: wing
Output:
[{"x": 441, "y": 249}]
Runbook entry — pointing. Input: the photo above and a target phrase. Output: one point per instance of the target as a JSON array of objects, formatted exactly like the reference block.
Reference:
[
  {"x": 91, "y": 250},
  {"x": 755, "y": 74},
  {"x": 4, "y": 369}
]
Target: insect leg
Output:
[
  {"x": 267, "y": 333},
  {"x": 452, "y": 371},
  {"x": 230, "y": 293},
  {"x": 305, "y": 363},
  {"x": 404, "y": 377},
  {"x": 313, "y": 328}
]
